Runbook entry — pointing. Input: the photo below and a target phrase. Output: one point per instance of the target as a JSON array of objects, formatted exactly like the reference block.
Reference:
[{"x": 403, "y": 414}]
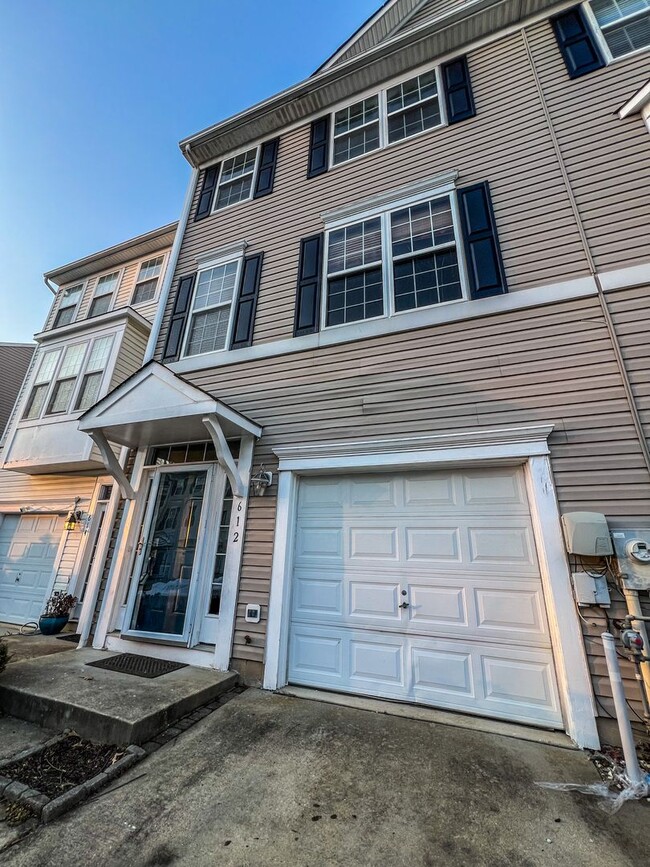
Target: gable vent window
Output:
[
  {"x": 68, "y": 306},
  {"x": 356, "y": 130},
  {"x": 624, "y": 24},
  {"x": 413, "y": 107},
  {"x": 147, "y": 282},
  {"x": 104, "y": 292}
]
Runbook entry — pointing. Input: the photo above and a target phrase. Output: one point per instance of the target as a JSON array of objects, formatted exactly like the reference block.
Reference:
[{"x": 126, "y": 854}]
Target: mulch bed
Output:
[
  {"x": 610, "y": 761},
  {"x": 63, "y": 765}
]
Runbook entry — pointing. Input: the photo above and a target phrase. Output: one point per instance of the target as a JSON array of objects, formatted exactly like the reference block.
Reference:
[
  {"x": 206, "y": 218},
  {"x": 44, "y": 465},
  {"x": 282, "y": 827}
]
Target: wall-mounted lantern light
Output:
[
  {"x": 74, "y": 516},
  {"x": 261, "y": 481}
]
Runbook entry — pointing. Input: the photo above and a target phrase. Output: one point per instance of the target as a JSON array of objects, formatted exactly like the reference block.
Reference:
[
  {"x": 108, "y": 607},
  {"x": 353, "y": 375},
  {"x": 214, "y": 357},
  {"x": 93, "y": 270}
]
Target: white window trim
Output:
[
  {"x": 62, "y": 291},
  {"x": 382, "y": 96},
  {"x": 600, "y": 37},
  {"x": 258, "y": 150},
  {"x": 525, "y": 445},
  {"x": 383, "y": 208},
  {"x": 214, "y": 263},
  {"x": 52, "y": 418},
  {"x": 114, "y": 293},
  {"x": 160, "y": 278}
]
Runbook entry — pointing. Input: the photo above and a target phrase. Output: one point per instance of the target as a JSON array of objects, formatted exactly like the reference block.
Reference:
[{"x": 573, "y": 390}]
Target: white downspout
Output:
[{"x": 171, "y": 267}]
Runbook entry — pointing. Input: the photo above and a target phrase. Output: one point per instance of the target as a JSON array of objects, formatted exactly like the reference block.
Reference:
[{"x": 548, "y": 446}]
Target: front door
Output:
[{"x": 163, "y": 592}]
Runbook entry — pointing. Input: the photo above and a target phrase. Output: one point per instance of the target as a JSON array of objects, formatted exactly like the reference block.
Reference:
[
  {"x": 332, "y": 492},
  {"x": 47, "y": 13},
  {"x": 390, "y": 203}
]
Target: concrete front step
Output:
[{"x": 62, "y": 691}]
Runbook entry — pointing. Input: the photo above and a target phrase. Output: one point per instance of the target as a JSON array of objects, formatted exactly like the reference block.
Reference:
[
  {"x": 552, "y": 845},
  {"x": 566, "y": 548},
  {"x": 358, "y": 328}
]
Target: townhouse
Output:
[
  {"x": 400, "y": 334},
  {"x": 57, "y": 502}
]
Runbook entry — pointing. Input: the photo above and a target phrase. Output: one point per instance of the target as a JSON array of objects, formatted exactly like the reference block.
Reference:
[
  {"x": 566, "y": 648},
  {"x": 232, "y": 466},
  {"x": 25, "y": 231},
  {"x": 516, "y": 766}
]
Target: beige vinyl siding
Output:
[
  {"x": 17, "y": 399},
  {"x": 130, "y": 355},
  {"x": 49, "y": 492},
  {"x": 15, "y": 359},
  {"x": 507, "y": 143},
  {"x": 606, "y": 158},
  {"x": 548, "y": 364}
]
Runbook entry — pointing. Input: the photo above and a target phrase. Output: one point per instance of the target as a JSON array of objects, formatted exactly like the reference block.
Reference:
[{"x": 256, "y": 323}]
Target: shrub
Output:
[
  {"x": 4, "y": 655},
  {"x": 60, "y": 604}
]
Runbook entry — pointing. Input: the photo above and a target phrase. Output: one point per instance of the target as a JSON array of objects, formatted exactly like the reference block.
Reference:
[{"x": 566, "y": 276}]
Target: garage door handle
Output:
[{"x": 403, "y": 605}]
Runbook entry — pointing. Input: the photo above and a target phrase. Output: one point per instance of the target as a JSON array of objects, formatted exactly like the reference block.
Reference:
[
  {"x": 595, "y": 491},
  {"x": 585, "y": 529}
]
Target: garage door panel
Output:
[
  {"x": 28, "y": 547},
  {"x": 457, "y": 549}
]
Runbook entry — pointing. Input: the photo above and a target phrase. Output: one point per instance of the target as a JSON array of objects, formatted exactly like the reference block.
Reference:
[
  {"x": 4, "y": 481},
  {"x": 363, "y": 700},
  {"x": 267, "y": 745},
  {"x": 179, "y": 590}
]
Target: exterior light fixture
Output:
[
  {"x": 261, "y": 481},
  {"x": 74, "y": 516}
]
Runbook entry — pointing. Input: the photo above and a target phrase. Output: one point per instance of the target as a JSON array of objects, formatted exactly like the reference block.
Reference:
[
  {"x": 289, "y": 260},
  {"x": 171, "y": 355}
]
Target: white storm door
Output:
[
  {"x": 28, "y": 547},
  {"x": 423, "y": 587}
]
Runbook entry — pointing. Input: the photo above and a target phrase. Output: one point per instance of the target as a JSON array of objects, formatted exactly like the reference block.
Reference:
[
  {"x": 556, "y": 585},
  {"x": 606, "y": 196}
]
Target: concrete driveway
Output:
[{"x": 274, "y": 780}]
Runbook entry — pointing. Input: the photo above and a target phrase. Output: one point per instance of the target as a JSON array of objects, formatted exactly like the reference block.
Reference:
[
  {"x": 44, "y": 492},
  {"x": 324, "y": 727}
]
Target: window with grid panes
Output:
[
  {"x": 412, "y": 106},
  {"x": 94, "y": 373},
  {"x": 354, "y": 273},
  {"x": 624, "y": 24},
  {"x": 103, "y": 296},
  {"x": 236, "y": 179},
  {"x": 66, "y": 379},
  {"x": 222, "y": 548},
  {"x": 211, "y": 308},
  {"x": 147, "y": 282},
  {"x": 356, "y": 129},
  {"x": 42, "y": 380},
  {"x": 68, "y": 306}
]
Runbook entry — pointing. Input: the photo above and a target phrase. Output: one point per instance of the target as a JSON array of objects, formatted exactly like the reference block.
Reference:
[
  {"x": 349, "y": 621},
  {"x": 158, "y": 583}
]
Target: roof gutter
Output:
[
  {"x": 171, "y": 267},
  {"x": 49, "y": 285}
]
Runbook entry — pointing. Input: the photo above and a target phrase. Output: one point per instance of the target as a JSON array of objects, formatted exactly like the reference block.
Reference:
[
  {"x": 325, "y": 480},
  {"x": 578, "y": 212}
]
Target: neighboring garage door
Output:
[
  {"x": 423, "y": 587},
  {"x": 28, "y": 546}
]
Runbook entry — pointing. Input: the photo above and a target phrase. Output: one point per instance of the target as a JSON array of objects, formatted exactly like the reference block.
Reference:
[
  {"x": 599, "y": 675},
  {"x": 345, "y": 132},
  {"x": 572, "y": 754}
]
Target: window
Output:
[
  {"x": 42, "y": 380},
  {"x": 236, "y": 179},
  {"x": 413, "y": 106},
  {"x": 356, "y": 130},
  {"x": 392, "y": 115},
  {"x": 220, "y": 557},
  {"x": 68, "y": 378},
  {"x": 401, "y": 259},
  {"x": 103, "y": 297},
  {"x": 92, "y": 379},
  {"x": 354, "y": 273},
  {"x": 624, "y": 24},
  {"x": 68, "y": 305},
  {"x": 147, "y": 282},
  {"x": 211, "y": 306}
]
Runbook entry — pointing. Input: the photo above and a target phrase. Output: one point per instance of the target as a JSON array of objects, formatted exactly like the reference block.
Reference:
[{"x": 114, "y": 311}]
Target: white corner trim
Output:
[
  {"x": 637, "y": 103},
  {"x": 571, "y": 666},
  {"x": 622, "y": 278},
  {"x": 440, "y": 183},
  {"x": 220, "y": 254},
  {"x": 477, "y": 444}
]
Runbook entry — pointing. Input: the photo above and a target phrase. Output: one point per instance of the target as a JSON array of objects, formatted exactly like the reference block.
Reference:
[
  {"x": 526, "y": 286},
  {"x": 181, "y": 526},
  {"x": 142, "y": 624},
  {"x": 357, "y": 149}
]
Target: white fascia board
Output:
[{"x": 95, "y": 323}]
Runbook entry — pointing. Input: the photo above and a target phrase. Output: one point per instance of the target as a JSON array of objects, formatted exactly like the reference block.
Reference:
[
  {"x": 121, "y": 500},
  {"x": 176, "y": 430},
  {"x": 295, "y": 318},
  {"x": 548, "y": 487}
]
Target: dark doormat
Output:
[
  {"x": 140, "y": 666},
  {"x": 70, "y": 636}
]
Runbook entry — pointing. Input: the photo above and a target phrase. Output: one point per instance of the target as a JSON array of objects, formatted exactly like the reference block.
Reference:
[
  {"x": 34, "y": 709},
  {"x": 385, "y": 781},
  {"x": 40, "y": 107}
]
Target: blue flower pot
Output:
[{"x": 52, "y": 625}]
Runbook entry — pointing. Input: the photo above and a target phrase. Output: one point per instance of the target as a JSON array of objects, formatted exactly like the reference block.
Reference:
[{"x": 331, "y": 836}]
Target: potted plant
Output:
[{"x": 57, "y": 612}]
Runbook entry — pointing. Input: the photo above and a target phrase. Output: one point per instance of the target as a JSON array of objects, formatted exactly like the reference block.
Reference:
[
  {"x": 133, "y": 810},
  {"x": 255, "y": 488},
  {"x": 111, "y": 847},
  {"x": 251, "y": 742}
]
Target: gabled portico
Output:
[{"x": 169, "y": 581}]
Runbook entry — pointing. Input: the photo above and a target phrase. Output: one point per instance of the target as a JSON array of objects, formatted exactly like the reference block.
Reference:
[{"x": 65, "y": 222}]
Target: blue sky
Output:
[{"x": 95, "y": 96}]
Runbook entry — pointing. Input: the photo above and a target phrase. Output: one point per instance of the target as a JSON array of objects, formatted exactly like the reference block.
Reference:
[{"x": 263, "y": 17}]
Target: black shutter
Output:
[
  {"x": 242, "y": 330},
  {"x": 319, "y": 146},
  {"x": 204, "y": 207},
  {"x": 482, "y": 252},
  {"x": 307, "y": 319},
  {"x": 458, "y": 90},
  {"x": 577, "y": 42},
  {"x": 266, "y": 174},
  {"x": 179, "y": 317}
]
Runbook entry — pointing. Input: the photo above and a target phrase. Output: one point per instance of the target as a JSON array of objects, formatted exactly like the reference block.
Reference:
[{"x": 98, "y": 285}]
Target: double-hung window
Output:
[
  {"x": 42, "y": 381},
  {"x": 147, "y": 282},
  {"x": 66, "y": 379},
  {"x": 400, "y": 259},
  {"x": 210, "y": 313},
  {"x": 68, "y": 305},
  {"x": 624, "y": 24},
  {"x": 236, "y": 179},
  {"x": 394, "y": 114},
  {"x": 94, "y": 373},
  {"x": 104, "y": 292}
]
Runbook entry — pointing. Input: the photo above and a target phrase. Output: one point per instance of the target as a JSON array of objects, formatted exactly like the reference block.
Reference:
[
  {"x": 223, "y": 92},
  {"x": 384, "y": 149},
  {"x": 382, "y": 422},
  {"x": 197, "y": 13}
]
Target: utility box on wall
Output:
[
  {"x": 632, "y": 547},
  {"x": 586, "y": 534}
]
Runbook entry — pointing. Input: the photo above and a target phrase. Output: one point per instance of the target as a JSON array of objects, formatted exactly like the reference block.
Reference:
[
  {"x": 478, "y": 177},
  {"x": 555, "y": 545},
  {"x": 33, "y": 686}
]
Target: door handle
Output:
[{"x": 403, "y": 605}]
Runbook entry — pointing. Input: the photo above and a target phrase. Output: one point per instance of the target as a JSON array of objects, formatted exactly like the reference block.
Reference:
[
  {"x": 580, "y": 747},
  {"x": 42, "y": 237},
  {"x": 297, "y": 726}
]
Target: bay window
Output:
[{"x": 94, "y": 373}]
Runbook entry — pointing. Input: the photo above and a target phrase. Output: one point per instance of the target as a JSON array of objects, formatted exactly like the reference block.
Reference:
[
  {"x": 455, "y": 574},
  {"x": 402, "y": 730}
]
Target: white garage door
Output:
[
  {"x": 423, "y": 587},
  {"x": 28, "y": 546}
]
